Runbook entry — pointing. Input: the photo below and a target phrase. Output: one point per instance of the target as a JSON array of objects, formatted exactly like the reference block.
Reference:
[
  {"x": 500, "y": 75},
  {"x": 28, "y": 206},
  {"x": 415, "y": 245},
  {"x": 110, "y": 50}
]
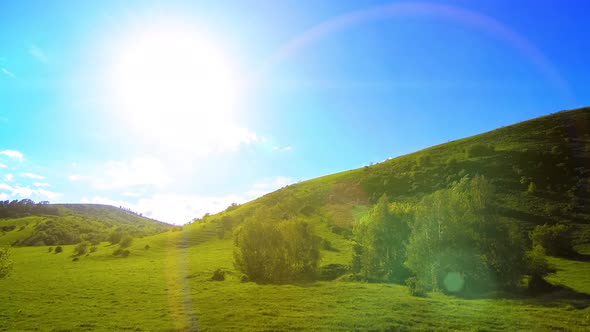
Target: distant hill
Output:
[
  {"x": 540, "y": 169},
  {"x": 25, "y": 223}
]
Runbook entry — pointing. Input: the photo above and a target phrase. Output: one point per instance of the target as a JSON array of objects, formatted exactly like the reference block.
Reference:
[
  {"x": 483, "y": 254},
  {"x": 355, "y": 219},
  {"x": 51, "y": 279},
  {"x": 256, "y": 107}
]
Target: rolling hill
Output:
[
  {"x": 540, "y": 169},
  {"x": 26, "y": 223}
]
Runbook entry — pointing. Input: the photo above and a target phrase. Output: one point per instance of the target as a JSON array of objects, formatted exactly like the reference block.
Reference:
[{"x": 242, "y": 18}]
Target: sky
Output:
[{"x": 178, "y": 108}]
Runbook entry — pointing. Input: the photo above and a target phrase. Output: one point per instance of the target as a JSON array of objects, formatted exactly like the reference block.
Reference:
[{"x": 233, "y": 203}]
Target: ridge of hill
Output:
[{"x": 539, "y": 167}]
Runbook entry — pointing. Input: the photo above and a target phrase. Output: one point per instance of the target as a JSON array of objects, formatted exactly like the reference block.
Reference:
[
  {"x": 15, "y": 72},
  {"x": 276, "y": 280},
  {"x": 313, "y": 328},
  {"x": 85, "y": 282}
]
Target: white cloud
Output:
[
  {"x": 13, "y": 154},
  {"x": 75, "y": 177},
  {"x": 267, "y": 186},
  {"x": 3, "y": 196},
  {"x": 282, "y": 148},
  {"x": 37, "y": 53},
  {"x": 41, "y": 184},
  {"x": 126, "y": 174},
  {"x": 8, "y": 177},
  {"x": 32, "y": 176},
  {"x": 2, "y": 165},
  {"x": 28, "y": 192},
  {"x": 7, "y": 72}
]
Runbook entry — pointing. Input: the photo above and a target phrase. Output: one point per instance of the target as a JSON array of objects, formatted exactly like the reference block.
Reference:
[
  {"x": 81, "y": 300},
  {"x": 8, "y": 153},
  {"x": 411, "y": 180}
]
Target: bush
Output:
[
  {"x": 218, "y": 275},
  {"x": 274, "y": 252},
  {"x": 125, "y": 253},
  {"x": 81, "y": 248},
  {"x": 6, "y": 263},
  {"x": 58, "y": 249},
  {"x": 75, "y": 259},
  {"x": 50, "y": 249},
  {"x": 332, "y": 271},
  {"x": 556, "y": 239},
  {"x": 118, "y": 252},
  {"x": 147, "y": 247},
  {"x": 126, "y": 241},
  {"x": 93, "y": 249},
  {"x": 415, "y": 287}
]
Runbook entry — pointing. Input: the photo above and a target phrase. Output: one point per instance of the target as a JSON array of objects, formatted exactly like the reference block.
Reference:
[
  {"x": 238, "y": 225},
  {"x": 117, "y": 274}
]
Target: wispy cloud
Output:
[
  {"x": 19, "y": 191},
  {"x": 268, "y": 185},
  {"x": 38, "y": 54},
  {"x": 32, "y": 176},
  {"x": 2, "y": 165},
  {"x": 7, "y": 72},
  {"x": 8, "y": 177},
  {"x": 282, "y": 148},
  {"x": 13, "y": 154},
  {"x": 41, "y": 184}
]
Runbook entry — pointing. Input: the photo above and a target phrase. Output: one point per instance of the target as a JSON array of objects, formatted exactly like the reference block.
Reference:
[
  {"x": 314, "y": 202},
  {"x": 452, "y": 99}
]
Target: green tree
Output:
[
  {"x": 554, "y": 239},
  {"x": 6, "y": 263},
  {"x": 458, "y": 242},
  {"x": 383, "y": 235},
  {"x": 126, "y": 241},
  {"x": 275, "y": 251},
  {"x": 81, "y": 248}
]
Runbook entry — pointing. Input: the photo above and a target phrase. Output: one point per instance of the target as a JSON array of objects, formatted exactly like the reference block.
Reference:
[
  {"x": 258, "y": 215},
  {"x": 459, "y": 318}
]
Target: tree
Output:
[
  {"x": 275, "y": 251},
  {"x": 554, "y": 239},
  {"x": 126, "y": 241},
  {"x": 458, "y": 242},
  {"x": 383, "y": 234},
  {"x": 81, "y": 248},
  {"x": 6, "y": 263}
]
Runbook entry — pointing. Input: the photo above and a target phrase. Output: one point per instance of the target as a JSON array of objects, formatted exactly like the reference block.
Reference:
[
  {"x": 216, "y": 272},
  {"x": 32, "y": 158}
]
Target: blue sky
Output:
[{"x": 177, "y": 108}]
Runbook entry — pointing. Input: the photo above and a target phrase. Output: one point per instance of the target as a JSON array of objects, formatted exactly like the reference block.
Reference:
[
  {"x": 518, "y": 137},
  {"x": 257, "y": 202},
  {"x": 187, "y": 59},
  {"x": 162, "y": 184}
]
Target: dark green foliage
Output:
[
  {"x": 26, "y": 207},
  {"x": 220, "y": 233},
  {"x": 480, "y": 150},
  {"x": 276, "y": 252},
  {"x": 6, "y": 263},
  {"x": 383, "y": 234},
  {"x": 115, "y": 237},
  {"x": 58, "y": 249},
  {"x": 50, "y": 249},
  {"x": 458, "y": 235},
  {"x": 118, "y": 252},
  {"x": 415, "y": 287},
  {"x": 556, "y": 239},
  {"x": 126, "y": 241},
  {"x": 75, "y": 259},
  {"x": 218, "y": 275},
  {"x": 93, "y": 249},
  {"x": 125, "y": 253},
  {"x": 332, "y": 271},
  {"x": 81, "y": 248},
  {"x": 147, "y": 247}
]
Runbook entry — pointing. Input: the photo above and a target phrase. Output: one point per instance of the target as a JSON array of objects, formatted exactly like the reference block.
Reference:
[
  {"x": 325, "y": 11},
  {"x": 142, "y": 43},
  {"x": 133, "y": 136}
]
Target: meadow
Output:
[{"x": 168, "y": 287}]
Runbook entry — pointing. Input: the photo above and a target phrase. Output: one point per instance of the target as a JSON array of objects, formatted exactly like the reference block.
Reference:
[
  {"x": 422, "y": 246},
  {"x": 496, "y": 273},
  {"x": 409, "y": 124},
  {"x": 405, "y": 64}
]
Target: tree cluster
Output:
[{"x": 270, "y": 251}]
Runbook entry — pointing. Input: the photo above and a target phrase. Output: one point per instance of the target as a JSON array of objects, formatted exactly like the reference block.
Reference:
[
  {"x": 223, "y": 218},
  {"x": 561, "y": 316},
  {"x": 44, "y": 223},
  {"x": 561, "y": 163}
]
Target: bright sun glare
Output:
[{"x": 168, "y": 80}]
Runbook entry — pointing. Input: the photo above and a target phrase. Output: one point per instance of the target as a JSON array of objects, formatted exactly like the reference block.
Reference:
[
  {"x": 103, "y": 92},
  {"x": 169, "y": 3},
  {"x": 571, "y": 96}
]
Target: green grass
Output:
[{"x": 167, "y": 288}]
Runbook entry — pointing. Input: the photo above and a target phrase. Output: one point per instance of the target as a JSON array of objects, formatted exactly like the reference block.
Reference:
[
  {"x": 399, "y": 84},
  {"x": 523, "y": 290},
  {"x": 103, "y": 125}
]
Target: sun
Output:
[{"x": 167, "y": 80}]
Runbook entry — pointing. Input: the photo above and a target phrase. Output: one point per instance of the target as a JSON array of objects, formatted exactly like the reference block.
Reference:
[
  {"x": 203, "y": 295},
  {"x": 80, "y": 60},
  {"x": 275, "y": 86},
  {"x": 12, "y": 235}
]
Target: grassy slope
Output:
[
  {"x": 167, "y": 288},
  {"x": 551, "y": 151}
]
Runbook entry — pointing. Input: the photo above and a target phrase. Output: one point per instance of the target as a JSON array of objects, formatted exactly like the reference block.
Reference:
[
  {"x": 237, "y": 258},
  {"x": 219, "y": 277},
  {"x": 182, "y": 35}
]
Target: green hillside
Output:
[
  {"x": 550, "y": 155},
  {"x": 26, "y": 224}
]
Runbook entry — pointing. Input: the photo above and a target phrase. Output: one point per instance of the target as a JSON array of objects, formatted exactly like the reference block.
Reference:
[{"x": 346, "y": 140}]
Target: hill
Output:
[
  {"x": 26, "y": 223},
  {"x": 540, "y": 170}
]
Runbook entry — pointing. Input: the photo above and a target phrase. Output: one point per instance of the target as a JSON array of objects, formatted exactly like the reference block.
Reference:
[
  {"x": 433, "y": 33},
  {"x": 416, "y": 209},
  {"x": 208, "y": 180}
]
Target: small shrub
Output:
[
  {"x": 147, "y": 247},
  {"x": 81, "y": 248},
  {"x": 332, "y": 271},
  {"x": 50, "y": 249},
  {"x": 75, "y": 259},
  {"x": 415, "y": 287},
  {"x": 93, "y": 249},
  {"x": 118, "y": 252},
  {"x": 532, "y": 188},
  {"x": 58, "y": 249},
  {"x": 218, "y": 275},
  {"x": 352, "y": 277},
  {"x": 125, "y": 253},
  {"x": 244, "y": 278}
]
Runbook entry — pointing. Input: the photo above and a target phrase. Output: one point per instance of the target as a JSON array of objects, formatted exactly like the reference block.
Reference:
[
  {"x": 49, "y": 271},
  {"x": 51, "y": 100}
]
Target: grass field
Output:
[{"x": 168, "y": 288}]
